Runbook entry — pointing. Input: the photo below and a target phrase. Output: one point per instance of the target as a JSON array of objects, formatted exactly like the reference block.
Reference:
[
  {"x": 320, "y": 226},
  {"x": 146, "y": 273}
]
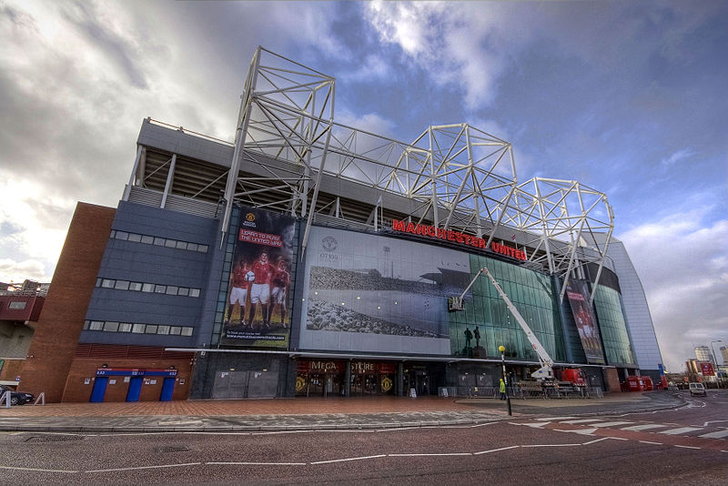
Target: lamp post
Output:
[
  {"x": 502, "y": 350},
  {"x": 715, "y": 360}
]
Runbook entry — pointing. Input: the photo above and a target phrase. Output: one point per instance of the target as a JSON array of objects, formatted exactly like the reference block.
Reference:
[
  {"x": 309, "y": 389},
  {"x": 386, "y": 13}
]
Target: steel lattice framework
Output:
[{"x": 460, "y": 177}]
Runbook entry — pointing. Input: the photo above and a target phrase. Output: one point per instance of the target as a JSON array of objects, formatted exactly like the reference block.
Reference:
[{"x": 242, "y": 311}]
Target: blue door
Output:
[
  {"x": 135, "y": 389},
  {"x": 99, "y": 389},
  {"x": 167, "y": 389}
]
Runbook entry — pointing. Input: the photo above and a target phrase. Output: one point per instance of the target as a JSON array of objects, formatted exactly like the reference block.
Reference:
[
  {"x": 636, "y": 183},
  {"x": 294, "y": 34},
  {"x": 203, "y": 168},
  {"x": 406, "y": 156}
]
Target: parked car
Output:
[
  {"x": 16, "y": 397},
  {"x": 697, "y": 389}
]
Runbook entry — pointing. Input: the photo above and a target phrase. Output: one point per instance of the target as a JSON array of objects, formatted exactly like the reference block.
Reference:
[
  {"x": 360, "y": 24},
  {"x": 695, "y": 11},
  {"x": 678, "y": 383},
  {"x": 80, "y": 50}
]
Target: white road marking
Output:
[
  {"x": 596, "y": 440},
  {"x": 578, "y": 431},
  {"x": 639, "y": 428},
  {"x": 556, "y": 418},
  {"x": 138, "y": 468},
  {"x": 348, "y": 459},
  {"x": 551, "y": 445},
  {"x": 483, "y": 424},
  {"x": 219, "y": 463},
  {"x": 13, "y": 468},
  {"x": 610, "y": 424},
  {"x": 580, "y": 421},
  {"x": 681, "y": 430},
  {"x": 705, "y": 424},
  {"x": 431, "y": 454},
  {"x": 650, "y": 442},
  {"x": 715, "y": 435},
  {"x": 496, "y": 450},
  {"x": 687, "y": 447}
]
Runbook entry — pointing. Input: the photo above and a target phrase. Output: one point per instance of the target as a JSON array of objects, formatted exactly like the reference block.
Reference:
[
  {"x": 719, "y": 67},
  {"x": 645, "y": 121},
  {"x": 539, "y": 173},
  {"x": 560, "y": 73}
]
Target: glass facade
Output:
[
  {"x": 486, "y": 312},
  {"x": 613, "y": 327}
]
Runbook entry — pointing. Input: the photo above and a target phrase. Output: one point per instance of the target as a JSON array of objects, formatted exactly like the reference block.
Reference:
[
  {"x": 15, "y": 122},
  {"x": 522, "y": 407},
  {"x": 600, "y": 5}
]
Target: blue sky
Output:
[{"x": 630, "y": 98}]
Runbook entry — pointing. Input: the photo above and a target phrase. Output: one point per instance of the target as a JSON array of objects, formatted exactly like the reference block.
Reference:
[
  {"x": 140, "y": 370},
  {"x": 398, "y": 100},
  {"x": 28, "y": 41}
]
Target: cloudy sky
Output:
[{"x": 630, "y": 98}]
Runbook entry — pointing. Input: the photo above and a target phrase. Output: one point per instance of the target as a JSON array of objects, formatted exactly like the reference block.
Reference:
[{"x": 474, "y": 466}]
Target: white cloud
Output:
[
  {"x": 678, "y": 156},
  {"x": 456, "y": 45},
  {"x": 683, "y": 266}
]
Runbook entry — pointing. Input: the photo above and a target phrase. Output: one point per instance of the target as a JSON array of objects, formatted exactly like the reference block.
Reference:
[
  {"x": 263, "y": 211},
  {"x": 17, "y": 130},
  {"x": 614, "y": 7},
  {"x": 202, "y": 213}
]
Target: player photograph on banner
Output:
[{"x": 257, "y": 312}]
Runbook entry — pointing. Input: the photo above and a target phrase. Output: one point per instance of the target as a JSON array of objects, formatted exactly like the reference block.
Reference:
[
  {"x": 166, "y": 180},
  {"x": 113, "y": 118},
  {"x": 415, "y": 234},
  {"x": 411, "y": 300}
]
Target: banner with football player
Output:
[{"x": 258, "y": 304}]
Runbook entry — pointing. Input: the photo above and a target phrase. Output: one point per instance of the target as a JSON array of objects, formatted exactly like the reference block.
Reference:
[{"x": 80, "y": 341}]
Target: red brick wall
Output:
[
  {"x": 90, "y": 356},
  {"x": 84, "y": 368},
  {"x": 61, "y": 321}
]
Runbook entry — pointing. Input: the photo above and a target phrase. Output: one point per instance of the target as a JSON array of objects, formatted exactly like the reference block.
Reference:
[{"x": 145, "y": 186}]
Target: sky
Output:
[{"x": 627, "y": 97}]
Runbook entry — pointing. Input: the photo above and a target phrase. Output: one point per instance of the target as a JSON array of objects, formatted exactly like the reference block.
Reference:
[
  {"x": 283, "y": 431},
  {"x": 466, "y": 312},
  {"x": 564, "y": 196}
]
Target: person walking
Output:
[{"x": 502, "y": 389}]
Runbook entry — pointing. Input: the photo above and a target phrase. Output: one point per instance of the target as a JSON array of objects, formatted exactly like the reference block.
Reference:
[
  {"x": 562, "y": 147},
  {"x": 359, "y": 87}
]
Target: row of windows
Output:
[
  {"x": 136, "y": 328},
  {"x": 110, "y": 283},
  {"x": 156, "y": 240}
]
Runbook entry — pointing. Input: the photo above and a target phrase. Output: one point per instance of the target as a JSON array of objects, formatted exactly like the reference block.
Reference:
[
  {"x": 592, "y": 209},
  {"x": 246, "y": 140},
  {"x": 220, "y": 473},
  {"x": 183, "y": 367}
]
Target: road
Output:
[{"x": 688, "y": 445}]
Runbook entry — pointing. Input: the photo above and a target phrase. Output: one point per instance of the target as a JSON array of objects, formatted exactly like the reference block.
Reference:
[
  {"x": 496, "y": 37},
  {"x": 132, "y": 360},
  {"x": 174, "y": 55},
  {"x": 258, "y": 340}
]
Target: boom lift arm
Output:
[{"x": 546, "y": 371}]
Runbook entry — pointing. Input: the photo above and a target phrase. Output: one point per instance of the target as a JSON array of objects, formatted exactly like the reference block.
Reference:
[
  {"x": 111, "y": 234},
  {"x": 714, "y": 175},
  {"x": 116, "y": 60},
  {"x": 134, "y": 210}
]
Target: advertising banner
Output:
[
  {"x": 586, "y": 323},
  {"x": 258, "y": 304},
  {"x": 369, "y": 293},
  {"x": 706, "y": 368}
]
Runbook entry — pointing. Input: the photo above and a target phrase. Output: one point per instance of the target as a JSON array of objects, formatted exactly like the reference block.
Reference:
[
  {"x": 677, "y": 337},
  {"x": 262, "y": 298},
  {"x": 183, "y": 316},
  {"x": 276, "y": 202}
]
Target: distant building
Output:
[
  {"x": 724, "y": 354},
  {"x": 702, "y": 353},
  {"x": 20, "y": 308}
]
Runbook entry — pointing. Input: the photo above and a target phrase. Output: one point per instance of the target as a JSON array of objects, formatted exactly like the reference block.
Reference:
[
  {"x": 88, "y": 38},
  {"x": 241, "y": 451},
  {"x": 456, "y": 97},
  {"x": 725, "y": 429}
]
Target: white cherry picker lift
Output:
[{"x": 546, "y": 371}]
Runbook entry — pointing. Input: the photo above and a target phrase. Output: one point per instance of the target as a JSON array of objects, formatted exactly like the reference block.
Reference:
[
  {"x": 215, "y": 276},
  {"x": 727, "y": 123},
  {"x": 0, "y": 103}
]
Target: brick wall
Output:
[
  {"x": 89, "y": 357},
  {"x": 61, "y": 321}
]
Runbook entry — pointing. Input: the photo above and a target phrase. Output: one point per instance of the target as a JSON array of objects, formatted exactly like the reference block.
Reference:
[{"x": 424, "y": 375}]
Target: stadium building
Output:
[{"x": 309, "y": 258}]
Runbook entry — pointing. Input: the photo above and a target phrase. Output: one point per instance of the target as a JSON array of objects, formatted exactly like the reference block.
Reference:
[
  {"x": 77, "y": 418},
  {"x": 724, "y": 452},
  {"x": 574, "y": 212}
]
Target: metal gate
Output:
[{"x": 245, "y": 384}]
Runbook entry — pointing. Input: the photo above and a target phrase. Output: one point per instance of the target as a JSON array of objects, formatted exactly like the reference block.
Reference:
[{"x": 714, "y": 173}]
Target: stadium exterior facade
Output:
[{"x": 309, "y": 258}]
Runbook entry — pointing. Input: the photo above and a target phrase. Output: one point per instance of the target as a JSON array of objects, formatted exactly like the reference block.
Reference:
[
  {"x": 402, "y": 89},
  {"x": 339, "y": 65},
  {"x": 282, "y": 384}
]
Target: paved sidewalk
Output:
[{"x": 305, "y": 413}]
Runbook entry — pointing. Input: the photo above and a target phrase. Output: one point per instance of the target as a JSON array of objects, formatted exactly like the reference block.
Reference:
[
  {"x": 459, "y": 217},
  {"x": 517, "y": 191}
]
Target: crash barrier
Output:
[
  {"x": 5, "y": 398},
  {"x": 40, "y": 399},
  {"x": 523, "y": 390}
]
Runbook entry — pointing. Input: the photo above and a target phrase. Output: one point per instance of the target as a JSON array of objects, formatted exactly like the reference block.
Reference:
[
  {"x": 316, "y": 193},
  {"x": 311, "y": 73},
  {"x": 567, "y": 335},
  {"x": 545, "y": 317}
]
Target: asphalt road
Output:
[{"x": 683, "y": 446}]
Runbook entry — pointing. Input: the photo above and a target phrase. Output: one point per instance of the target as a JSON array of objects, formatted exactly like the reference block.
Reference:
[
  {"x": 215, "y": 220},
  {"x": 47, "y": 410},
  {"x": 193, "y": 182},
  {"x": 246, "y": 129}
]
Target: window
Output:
[
  {"x": 187, "y": 331},
  {"x": 170, "y": 243},
  {"x": 111, "y": 326},
  {"x": 194, "y": 292},
  {"x": 122, "y": 285},
  {"x": 192, "y": 246},
  {"x": 148, "y": 287},
  {"x": 151, "y": 329},
  {"x": 171, "y": 290},
  {"x": 135, "y": 286},
  {"x": 138, "y": 328},
  {"x": 159, "y": 241},
  {"x": 113, "y": 234},
  {"x": 122, "y": 235},
  {"x": 135, "y": 237},
  {"x": 147, "y": 240},
  {"x": 202, "y": 248},
  {"x": 181, "y": 245},
  {"x": 17, "y": 305},
  {"x": 108, "y": 283},
  {"x": 160, "y": 289},
  {"x": 183, "y": 291},
  {"x": 85, "y": 325},
  {"x": 96, "y": 326},
  {"x": 125, "y": 326},
  {"x": 175, "y": 330},
  {"x": 162, "y": 329}
]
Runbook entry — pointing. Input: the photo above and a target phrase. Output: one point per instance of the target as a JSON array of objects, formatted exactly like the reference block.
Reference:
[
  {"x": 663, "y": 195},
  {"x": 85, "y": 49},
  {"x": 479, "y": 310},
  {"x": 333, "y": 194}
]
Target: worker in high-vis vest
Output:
[{"x": 502, "y": 389}]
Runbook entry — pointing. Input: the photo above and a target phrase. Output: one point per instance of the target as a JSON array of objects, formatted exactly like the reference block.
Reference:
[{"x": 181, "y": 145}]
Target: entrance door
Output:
[
  {"x": 135, "y": 389},
  {"x": 99, "y": 389}
]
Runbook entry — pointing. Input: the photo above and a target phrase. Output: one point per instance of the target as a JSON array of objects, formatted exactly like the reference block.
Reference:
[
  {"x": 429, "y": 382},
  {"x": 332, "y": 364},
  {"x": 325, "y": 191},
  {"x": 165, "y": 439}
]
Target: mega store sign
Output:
[{"x": 456, "y": 237}]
